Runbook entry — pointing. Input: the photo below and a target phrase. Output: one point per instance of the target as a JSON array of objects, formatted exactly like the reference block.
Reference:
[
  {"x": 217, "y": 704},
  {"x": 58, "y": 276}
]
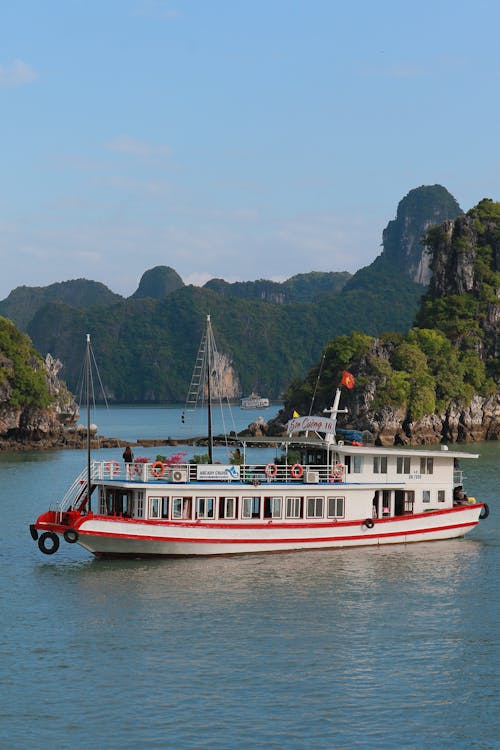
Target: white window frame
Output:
[
  {"x": 380, "y": 464},
  {"x": 441, "y": 496},
  {"x": 427, "y": 465},
  {"x": 403, "y": 465},
  {"x": 426, "y": 496},
  {"x": 226, "y": 501},
  {"x": 293, "y": 507},
  {"x": 338, "y": 506},
  {"x": 205, "y": 507},
  {"x": 319, "y": 503},
  {"x": 276, "y": 507}
]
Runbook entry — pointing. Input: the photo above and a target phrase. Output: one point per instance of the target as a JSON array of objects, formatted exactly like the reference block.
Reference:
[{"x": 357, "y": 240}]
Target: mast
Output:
[
  {"x": 87, "y": 383},
  {"x": 209, "y": 389},
  {"x": 333, "y": 411}
]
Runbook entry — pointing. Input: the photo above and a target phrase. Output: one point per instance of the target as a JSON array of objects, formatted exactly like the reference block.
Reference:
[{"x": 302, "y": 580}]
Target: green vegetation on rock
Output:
[{"x": 22, "y": 378}]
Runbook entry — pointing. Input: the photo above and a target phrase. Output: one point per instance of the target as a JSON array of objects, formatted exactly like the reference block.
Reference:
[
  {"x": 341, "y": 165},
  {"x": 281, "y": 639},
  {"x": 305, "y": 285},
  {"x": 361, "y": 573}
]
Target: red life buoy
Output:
[
  {"x": 297, "y": 471},
  {"x": 271, "y": 470},
  {"x": 158, "y": 469},
  {"x": 338, "y": 472},
  {"x": 113, "y": 467}
]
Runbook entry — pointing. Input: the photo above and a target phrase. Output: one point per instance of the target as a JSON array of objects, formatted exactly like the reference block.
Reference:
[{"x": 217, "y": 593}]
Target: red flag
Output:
[{"x": 347, "y": 380}]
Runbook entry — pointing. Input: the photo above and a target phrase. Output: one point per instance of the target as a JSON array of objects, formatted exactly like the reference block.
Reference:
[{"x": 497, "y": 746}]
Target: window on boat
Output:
[
  {"x": 441, "y": 496},
  {"x": 272, "y": 507},
  {"x": 380, "y": 464},
  {"x": 356, "y": 464},
  {"x": 139, "y": 504},
  {"x": 164, "y": 507},
  {"x": 426, "y": 496},
  {"x": 335, "y": 507},
  {"x": 353, "y": 464},
  {"x": 293, "y": 507},
  {"x": 426, "y": 465},
  {"x": 227, "y": 507},
  {"x": 205, "y": 507},
  {"x": 250, "y": 507},
  {"x": 181, "y": 508},
  {"x": 154, "y": 507},
  {"x": 403, "y": 464},
  {"x": 315, "y": 507},
  {"x": 313, "y": 458}
]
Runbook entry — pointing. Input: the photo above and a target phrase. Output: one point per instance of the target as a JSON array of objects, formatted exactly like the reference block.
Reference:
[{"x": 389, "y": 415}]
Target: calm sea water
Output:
[{"x": 369, "y": 648}]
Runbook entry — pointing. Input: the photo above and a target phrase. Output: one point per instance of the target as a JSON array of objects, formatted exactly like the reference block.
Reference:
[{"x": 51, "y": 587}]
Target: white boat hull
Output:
[{"x": 109, "y": 537}]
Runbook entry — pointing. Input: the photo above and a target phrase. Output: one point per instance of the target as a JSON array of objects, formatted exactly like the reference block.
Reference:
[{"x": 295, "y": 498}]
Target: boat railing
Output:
[
  {"x": 75, "y": 493},
  {"x": 187, "y": 472}
]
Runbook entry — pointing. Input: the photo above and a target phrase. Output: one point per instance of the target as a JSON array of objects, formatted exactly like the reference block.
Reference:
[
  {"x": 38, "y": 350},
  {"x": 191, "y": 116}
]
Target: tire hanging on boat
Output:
[
  {"x": 46, "y": 546},
  {"x": 33, "y": 532},
  {"x": 70, "y": 536},
  {"x": 369, "y": 523},
  {"x": 485, "y": 511}
]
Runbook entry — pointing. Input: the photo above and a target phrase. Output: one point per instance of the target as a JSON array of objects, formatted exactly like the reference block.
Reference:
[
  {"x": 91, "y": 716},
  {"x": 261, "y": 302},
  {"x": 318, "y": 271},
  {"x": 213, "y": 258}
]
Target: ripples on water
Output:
[{"x": 374, "y": 648}]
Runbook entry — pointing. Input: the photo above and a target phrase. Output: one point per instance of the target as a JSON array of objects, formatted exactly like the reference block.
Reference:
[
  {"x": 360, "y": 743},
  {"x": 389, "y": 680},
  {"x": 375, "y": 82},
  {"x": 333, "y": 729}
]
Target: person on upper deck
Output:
[{"x": 128, "y": 456}]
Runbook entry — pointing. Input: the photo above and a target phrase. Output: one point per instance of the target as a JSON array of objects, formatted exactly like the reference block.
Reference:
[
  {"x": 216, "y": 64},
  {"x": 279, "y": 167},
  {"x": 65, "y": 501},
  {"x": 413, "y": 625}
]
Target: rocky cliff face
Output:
[
  {"x": 422, "y": 208},
  {"x": 32, "y": 426},
  {"x": 460, "y": 421}
]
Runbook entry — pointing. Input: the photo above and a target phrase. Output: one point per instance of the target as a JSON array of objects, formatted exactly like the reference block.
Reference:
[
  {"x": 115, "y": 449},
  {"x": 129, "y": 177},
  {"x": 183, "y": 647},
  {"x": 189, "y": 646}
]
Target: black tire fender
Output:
[
  {"x": 70, "y": 536},
  {"x": 485, "y": 511},
  {"x": 48, "y": 543},
  {"x": 33, "y": 532},
  {"x": 369, "y": 523}
]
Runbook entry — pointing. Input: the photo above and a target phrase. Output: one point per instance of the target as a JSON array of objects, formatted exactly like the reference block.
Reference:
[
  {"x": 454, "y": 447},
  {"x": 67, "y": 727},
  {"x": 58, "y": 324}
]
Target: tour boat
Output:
[
  {"x": 254, "y": 401},
  {"x": 321, "y": 493},
  {"x": 334, "y": 495}
]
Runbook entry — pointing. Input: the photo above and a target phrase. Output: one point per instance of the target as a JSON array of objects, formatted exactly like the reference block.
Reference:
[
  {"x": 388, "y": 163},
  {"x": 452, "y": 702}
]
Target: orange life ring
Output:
[
  {"x": 271, "y": 470},
  {"x": 158, "y": 469},
  {"x": 338, "y": 472},
  {"x": 113, "y": 467},
  {"x": 297, "y": 471}
]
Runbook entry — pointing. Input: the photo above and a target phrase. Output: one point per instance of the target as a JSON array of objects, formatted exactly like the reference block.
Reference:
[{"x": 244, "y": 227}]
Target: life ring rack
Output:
[
  {"x": 271, "y": 470},
  {"x": 297, "y": 471},
  {"x": 158, "y": 469}
]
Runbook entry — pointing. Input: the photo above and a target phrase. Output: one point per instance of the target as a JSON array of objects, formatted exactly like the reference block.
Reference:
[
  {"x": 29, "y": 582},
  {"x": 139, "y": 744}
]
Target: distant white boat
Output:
[{"x": 254, "y": 401}]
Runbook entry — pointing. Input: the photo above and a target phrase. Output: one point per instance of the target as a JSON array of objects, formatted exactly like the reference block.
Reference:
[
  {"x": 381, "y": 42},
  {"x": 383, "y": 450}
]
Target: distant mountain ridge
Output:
[
  {"x": 25, "y": 301},
  {"x": 272, "y": 331}
]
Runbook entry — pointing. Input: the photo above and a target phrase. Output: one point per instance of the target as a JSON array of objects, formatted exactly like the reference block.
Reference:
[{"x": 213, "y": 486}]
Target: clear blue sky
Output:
[{"x": 233, "y": 139}]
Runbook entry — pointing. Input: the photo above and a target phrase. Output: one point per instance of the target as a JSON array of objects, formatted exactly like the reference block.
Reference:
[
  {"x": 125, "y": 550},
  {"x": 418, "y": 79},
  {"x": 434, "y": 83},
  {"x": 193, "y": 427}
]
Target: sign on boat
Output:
[{"x": 334, "y": 494}]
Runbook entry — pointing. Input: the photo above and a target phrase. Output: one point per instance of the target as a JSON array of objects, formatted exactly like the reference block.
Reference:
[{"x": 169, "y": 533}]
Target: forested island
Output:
[{"x": 418, "y": 328}]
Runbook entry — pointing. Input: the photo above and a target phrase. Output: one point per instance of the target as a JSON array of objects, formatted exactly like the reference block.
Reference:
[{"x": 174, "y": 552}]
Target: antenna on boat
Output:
[{"x": 87, "y": 384}]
